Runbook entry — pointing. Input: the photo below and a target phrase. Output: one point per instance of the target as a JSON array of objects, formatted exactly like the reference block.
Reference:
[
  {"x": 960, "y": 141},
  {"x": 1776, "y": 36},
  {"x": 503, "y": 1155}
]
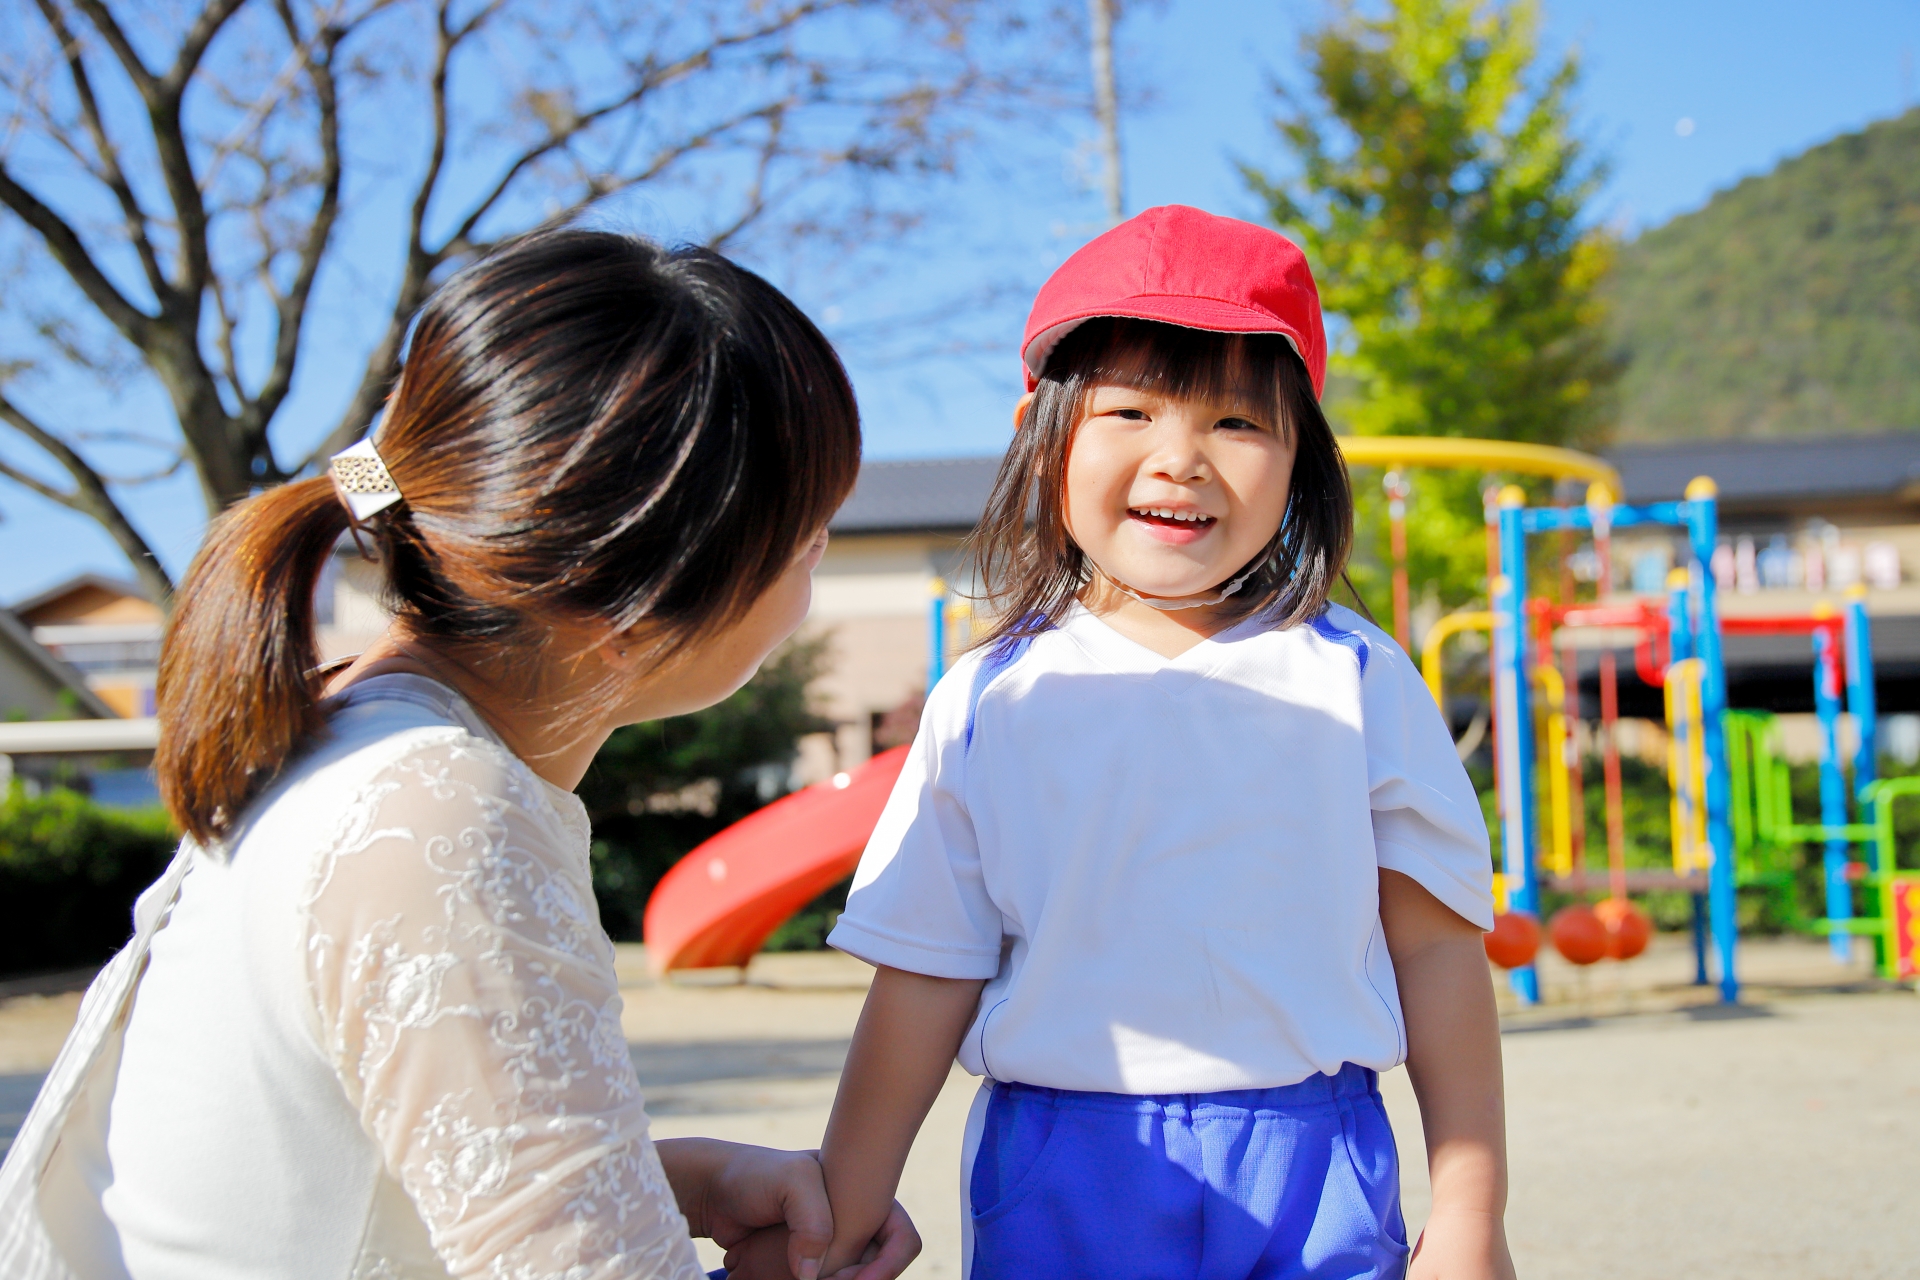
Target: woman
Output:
[{"x": 369, "y": 1025}]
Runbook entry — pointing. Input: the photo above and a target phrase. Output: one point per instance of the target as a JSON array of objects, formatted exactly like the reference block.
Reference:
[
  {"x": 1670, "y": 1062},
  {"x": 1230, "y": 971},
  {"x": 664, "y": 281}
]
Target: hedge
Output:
[{"x": 69, "y": 873}]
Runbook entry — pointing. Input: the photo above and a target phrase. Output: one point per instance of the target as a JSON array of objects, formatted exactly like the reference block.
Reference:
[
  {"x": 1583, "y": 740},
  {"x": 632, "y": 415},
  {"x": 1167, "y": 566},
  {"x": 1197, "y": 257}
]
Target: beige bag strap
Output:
[{"x": 27, "y": 1248}]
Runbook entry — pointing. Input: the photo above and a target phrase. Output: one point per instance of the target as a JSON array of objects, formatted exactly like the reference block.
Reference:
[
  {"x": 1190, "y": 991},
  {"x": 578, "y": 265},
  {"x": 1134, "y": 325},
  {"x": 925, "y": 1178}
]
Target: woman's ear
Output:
[
  {"x": 625, "y": 651},
  {"x": 1020, "y": 409}
]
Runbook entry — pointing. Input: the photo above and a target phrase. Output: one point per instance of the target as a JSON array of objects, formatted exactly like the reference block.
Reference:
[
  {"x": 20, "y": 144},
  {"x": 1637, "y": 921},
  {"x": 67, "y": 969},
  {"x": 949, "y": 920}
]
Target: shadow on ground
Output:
[{"x": 698, "y": 1062}]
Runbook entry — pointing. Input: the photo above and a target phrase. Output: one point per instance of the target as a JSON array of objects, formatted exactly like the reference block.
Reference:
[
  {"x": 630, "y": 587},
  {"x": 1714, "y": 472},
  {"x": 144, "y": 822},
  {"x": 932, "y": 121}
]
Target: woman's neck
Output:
[{"x": 558, "y": 752}]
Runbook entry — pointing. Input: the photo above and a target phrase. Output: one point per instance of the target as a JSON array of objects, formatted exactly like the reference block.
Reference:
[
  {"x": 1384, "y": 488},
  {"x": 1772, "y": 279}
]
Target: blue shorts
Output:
[{"x": 1300, "y": 1182}]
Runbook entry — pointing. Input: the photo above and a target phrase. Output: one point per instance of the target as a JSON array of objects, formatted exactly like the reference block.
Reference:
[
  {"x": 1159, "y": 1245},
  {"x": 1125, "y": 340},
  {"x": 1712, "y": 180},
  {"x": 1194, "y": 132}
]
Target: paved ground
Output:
[{"x": 1653, "y": 1133}]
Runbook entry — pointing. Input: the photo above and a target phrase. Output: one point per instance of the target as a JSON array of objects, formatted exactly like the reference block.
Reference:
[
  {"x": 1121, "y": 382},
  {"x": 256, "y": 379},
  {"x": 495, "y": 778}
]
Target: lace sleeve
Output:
[{"x": 466, "y": 995}]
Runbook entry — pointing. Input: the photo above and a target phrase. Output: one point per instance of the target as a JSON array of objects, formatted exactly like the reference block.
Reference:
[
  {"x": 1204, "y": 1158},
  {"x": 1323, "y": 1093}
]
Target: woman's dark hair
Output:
[
  {"x": 587, "y": 427},
  {"x": 1030, "y": 568}
]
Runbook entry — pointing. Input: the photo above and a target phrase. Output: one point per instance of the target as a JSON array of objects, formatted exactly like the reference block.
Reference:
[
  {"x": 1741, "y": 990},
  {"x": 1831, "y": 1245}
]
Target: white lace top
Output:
[{"x": 381, "y": 1037}]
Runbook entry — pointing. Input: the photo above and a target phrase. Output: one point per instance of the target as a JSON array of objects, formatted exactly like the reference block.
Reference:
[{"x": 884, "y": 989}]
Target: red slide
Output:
[{"x": 718, "y": 904}]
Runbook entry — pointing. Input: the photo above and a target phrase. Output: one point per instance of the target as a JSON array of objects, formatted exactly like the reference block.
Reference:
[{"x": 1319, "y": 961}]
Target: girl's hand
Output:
[
  {"x": 763, "y": 1255},
  {"x": 1462, "y": 1244}
]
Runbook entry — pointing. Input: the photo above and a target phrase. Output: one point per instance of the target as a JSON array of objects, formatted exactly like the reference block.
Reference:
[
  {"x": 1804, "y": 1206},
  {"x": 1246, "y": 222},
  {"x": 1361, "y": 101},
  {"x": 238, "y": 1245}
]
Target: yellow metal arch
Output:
[
  {"x": 1487, "y": 455},
  {"x": 1437, "y": 636}
]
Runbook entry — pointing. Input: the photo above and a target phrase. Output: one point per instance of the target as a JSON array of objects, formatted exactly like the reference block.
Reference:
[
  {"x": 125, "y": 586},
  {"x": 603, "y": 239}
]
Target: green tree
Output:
[
  {"x": 1439, "y": 190},
  {"x": 658, "y": 789}
]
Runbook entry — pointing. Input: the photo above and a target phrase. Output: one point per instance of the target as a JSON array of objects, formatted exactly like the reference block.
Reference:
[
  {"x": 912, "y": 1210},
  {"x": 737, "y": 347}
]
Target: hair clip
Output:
[{"x": 362, "y": 480}]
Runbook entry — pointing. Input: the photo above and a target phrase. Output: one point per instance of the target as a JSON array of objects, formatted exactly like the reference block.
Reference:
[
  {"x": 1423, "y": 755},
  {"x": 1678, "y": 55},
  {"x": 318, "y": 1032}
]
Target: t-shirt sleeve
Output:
[
  {"x": 1427, "y": 822},
  {"x": 918, "y": 901}
]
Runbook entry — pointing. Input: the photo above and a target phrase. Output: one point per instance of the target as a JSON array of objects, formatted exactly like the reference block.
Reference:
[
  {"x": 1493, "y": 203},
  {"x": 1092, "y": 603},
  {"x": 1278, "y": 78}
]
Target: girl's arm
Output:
[
  {"x": 902, "y": 1050},
  {"x": 1453, "y": 1058}
]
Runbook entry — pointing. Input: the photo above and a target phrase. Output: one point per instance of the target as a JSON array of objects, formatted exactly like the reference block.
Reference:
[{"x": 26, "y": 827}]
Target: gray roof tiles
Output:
[
  {"x": 922, "y": 495},
  {"x": 1759, "y": 471}
]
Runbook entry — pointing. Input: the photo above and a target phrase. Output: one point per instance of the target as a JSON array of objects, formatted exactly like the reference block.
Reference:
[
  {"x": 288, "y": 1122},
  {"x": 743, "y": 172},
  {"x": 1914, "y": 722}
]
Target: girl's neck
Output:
[
  {"x": 557, "y": 752},
  {"x": 1167, "y": 632}
]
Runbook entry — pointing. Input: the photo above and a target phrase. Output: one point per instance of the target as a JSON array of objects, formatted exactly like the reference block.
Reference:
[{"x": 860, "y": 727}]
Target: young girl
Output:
[
  {"x": 1182, "y": 856},
  {"x": 369, "y": 1024}
]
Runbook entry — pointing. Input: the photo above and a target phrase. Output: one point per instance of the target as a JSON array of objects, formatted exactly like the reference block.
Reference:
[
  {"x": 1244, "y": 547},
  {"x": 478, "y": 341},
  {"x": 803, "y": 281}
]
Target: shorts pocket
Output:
[
  {"x": 1015, "y": 1145},
  {"x": 1375, "y": 1159}
]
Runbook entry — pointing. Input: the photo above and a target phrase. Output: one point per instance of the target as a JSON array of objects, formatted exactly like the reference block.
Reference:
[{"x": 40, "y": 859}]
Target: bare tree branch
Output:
[
  {"x": 163, "y": 101},
  {"x": 172, "y": 347},
  {"x": 227, "y": 163},
  {"x": 88, "y": 496},
  {"x": 194, "y": 47},
  {"x": 650, "y": 78},
  {"x": 111, "y": 172},
  {"x": 383, "y": 362},
  {"x": 110, "y": 30},
  {"x": 71, "y": 253},
  {"x": 291, "y": 306}
]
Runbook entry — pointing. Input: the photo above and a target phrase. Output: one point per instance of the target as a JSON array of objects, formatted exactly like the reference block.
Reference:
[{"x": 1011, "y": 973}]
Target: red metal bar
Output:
[
  {"x": 1397, "y": 488},
  {"x": 1576, "y": 782},
  {"x": 1793, "y": 624}
]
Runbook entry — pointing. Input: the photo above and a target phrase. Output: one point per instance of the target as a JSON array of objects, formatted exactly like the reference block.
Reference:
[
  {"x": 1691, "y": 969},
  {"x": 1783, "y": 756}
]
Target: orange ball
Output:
[
  {"x": 1515, "y": 939},
  {"x": 1628, "y": 929},
  {"x": 1578, "y": 934}
]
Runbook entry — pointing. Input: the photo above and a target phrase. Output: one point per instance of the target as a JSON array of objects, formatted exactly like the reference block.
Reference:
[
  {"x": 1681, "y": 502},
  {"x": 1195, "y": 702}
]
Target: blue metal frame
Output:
[
  {"x": 1513, "y": 728},
  {"x": 1699, "y": 516},
  {"x": 1833, "y": 794},
  {"x": 937, "y": 634},
  {"x": 1866, "y": 714}
]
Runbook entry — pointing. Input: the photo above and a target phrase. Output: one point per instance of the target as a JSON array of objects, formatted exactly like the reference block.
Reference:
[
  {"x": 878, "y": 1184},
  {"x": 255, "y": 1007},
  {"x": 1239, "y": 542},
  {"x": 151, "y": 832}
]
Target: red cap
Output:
[{"x": 1183, "y": 266}]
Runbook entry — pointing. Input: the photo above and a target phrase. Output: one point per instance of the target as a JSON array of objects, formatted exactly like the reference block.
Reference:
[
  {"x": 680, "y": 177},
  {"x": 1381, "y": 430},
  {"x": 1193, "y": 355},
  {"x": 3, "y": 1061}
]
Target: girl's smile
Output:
[{"x": 1176, "y": 526}]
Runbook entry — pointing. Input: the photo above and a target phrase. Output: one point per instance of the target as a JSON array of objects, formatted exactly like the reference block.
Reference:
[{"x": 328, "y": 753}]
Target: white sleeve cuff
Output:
[
  {"x": 877, "y": 948},
  {"x": 1471, "y": 902}
]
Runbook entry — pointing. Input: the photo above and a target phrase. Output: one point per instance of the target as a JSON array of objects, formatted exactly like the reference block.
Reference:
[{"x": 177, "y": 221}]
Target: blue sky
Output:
[{"x": 1755, "y": 82}]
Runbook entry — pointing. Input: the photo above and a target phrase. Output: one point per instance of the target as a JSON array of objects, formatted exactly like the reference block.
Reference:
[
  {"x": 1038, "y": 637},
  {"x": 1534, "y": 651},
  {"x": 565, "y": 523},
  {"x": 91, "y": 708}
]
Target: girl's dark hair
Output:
[
  {"x": 588, "y": 427},
  {"x": 1031, "y": 570}
]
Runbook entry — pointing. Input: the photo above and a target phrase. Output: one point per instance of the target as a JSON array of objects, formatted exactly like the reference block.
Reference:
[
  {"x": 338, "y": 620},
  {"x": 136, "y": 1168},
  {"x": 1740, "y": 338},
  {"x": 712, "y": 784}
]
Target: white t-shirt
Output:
[{"x": 1168, "y": 867}]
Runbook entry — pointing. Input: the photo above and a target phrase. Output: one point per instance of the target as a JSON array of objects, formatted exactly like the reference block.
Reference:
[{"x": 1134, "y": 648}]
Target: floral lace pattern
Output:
[{"x": 466, "y": 996}]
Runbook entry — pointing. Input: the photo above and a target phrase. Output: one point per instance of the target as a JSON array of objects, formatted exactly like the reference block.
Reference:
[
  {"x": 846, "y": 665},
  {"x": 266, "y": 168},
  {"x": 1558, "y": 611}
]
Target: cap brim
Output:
[{"x": 1210, "y": 314}]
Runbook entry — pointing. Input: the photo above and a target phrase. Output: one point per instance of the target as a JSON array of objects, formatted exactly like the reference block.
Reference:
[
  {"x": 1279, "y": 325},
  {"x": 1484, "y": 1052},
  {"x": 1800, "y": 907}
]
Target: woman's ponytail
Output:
[
  {"x": 588, "y": 429},
  {"x": 236, "y": 690}
]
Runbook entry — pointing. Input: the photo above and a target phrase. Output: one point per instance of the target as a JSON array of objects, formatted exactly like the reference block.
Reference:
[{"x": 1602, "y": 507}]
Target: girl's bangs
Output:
[{"x": 1249, "y": 371}]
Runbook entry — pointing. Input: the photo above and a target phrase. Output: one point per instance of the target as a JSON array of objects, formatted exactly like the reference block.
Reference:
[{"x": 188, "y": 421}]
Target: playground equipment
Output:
[
  {"x": 1898, "y": 893},
  {"x": 1515, "y": 656},
  {"x": 1514, "y": 940},
  {"x": 717, "y": 905},
  {"x": 1397, "y": 453},
  {"x": 1731, "y": 806}
]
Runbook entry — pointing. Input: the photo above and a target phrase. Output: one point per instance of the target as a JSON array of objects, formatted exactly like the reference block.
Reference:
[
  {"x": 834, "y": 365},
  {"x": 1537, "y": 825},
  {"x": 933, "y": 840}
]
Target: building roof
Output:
[
  {"x": 922, "y": 495},
  {"x": 19, "y": 649},
  {"x": 1820, "y": 469},
  {"x": 89, "y": 597}
]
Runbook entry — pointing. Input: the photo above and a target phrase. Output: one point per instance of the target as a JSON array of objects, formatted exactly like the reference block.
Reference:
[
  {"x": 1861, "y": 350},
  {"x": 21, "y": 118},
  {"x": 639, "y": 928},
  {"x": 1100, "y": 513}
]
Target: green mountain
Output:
[{"x": 1788, "y": 305}]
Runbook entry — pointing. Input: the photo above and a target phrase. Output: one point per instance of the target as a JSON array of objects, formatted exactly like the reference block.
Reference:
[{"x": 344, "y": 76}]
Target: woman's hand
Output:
[
  {"x": 727, "y": 1191},
  {"x": 1462, "y": 1245},
  {"x": 764, "y": 1253},
  {"x": 770, "y": 1208}
]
